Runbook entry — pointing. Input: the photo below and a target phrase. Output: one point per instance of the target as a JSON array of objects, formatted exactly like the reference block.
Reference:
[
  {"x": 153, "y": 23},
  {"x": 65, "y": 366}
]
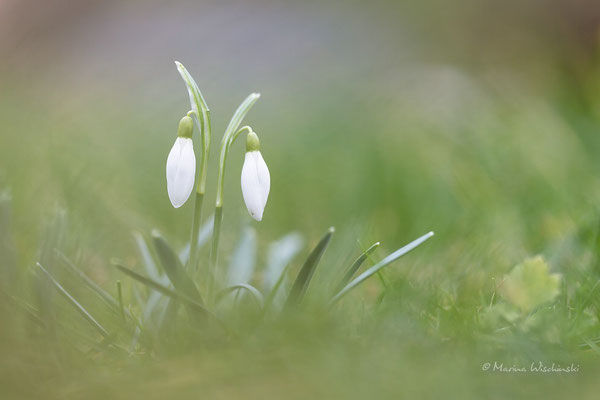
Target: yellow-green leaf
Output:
[{"x": 530, "y": 284}]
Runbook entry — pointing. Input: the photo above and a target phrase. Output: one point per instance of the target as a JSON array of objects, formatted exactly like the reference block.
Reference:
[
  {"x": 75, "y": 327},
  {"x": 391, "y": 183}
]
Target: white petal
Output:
[
  {"x": 264, "y": 178},
  {"x": 181, "y": 171},
  {"x": 256, "y": 183}
]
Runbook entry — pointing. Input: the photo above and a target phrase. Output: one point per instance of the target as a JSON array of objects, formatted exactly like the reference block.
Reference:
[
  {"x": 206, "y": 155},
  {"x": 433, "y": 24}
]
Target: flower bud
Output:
[
  {"x": 256, "y": 180},
  {"x": 181, "y": 164}
]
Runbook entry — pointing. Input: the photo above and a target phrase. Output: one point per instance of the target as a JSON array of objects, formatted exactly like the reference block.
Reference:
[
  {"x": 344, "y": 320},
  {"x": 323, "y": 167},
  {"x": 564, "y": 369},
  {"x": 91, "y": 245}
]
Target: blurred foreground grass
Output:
[{"x": 500, "y": 173}]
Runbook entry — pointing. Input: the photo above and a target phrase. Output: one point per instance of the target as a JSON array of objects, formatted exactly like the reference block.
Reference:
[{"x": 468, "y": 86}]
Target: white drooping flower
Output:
[
  {"x": 181, "y": 164},
  {"x": 256, "y": 181}
]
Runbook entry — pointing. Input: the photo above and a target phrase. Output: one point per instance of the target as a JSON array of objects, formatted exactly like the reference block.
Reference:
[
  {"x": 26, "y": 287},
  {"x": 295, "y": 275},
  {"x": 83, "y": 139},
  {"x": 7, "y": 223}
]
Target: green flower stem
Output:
[
  {"x": 213, "y": 254},
  {"x": 205, "y": 134},
  {"x": 231, "y": 133},
  {"x": 196, "y": 221},
  {"x": 223, "y": 160},
  {"x": 219, "y": 206},
  {"x": 200, "y": 190},
  {"x": 219, "y": 211},
  {"x": 201, "y": 115}
]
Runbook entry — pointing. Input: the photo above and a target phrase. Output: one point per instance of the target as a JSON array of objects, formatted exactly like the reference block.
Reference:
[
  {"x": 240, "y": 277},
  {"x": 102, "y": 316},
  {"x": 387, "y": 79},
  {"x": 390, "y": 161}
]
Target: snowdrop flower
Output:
[
  {"x": 256, "y": 181},
  {"x": 181, "y": 164}
]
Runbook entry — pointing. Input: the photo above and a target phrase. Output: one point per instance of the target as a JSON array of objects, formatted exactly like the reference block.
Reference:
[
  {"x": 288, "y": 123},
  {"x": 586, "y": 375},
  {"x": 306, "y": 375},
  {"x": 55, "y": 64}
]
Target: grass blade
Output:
[
  {"x": 308, "y": 269},
  {"x": 147, "y": 258},
  {"x": 24, "y": 307},
  {"x": 243, "y": 259},
  {"x": 8, "y": 270},
  {"x": 188, "y": 301},
  {"x": 174, "y": 269},
  {"x": 53, "y": 237},
  {"x": 120, "y": 292},
  {"x": 74, "y": 302},
  {"x": 271, "y": 297},
  {"x": 280, "y": 253},
  {"x": 374, "y": 269},
  {"x": 153, "y": 300},
  {"x": 203, "y": 236},
  {"x": 249, "y": 288},
  {"x": 104, "y": 295},
  {"x": 355, "y": 266}
]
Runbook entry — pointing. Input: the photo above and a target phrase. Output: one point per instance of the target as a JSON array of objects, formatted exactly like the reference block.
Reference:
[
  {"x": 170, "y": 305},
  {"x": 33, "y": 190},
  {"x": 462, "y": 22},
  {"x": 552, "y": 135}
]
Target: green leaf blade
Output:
[
  {"x": 174, "y": 269},
  {"x": 197, "y": 101},
  {"x": 374, "y": 269},
  {"x": 308, "y": 269},
  {"x": 162, "y": 289},
  {"x": 103, "y": 294},
  {"x": 356, "y": 266},
  {"x": 243, "y": 286},
  {"x": 74, "y": 302}
]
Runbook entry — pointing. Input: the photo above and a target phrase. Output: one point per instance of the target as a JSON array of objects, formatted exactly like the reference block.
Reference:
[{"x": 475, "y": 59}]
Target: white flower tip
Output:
[
  {"x": 174, "y": 202},
  {"x": 257, "y": 217},
  {"x": 255, "y": 210}
]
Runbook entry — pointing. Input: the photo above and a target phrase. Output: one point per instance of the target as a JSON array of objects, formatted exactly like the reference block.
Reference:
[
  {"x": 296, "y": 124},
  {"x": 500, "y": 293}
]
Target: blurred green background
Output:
[{"x": 478, "y": 120}]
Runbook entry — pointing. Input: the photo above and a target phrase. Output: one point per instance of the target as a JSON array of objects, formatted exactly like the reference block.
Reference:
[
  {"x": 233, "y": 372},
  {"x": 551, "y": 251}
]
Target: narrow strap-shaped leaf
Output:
[
  {"x": 192, "y": 304},
  {"x": 8, "y": 270},
  {"x": 196, "y": 99},
  {"x": 108, "y": 299},
  {"x": 120, "y": 294},
  {"x": 24, "y": 307},
  {"x": 280, "y": 254},
  {"x": 239, "y": 115},
  {"x": 188, "y": 301},
  {"x": 153, "y": 300},
  {"x": 147, "y": 258},
  {"x": 243, "y": 259},
  {"x": 355, "y": 266},
  {"x": 273, "y": 293},
  {"x": 174, "y": 269},
  {"x": 167, "y": 320},
  {"x": 251, "y": 289},
  {"x": 308, "y": 269},
  {"x": 374, "y": 269},
  {"x": 593, "y": 346},
  {"x": 74, "y": 302},
  {"x": 204, "y": 235},
  {"x": 202, "y": 116}
]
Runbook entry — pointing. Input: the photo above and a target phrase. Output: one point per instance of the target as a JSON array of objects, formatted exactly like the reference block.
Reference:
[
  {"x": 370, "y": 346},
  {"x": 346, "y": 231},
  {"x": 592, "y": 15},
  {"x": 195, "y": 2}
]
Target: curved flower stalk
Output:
[
  {"x": 231, "y": 133},
  {"x": 181, "y": 164},
  {"x": 256, "y": 180}
]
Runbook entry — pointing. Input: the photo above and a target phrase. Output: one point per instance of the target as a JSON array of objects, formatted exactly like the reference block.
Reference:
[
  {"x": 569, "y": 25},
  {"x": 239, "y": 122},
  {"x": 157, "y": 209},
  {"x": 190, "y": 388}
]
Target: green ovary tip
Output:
[
  {"x": 252, "y": 142},
  {"x": 186, "y": 127}
]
